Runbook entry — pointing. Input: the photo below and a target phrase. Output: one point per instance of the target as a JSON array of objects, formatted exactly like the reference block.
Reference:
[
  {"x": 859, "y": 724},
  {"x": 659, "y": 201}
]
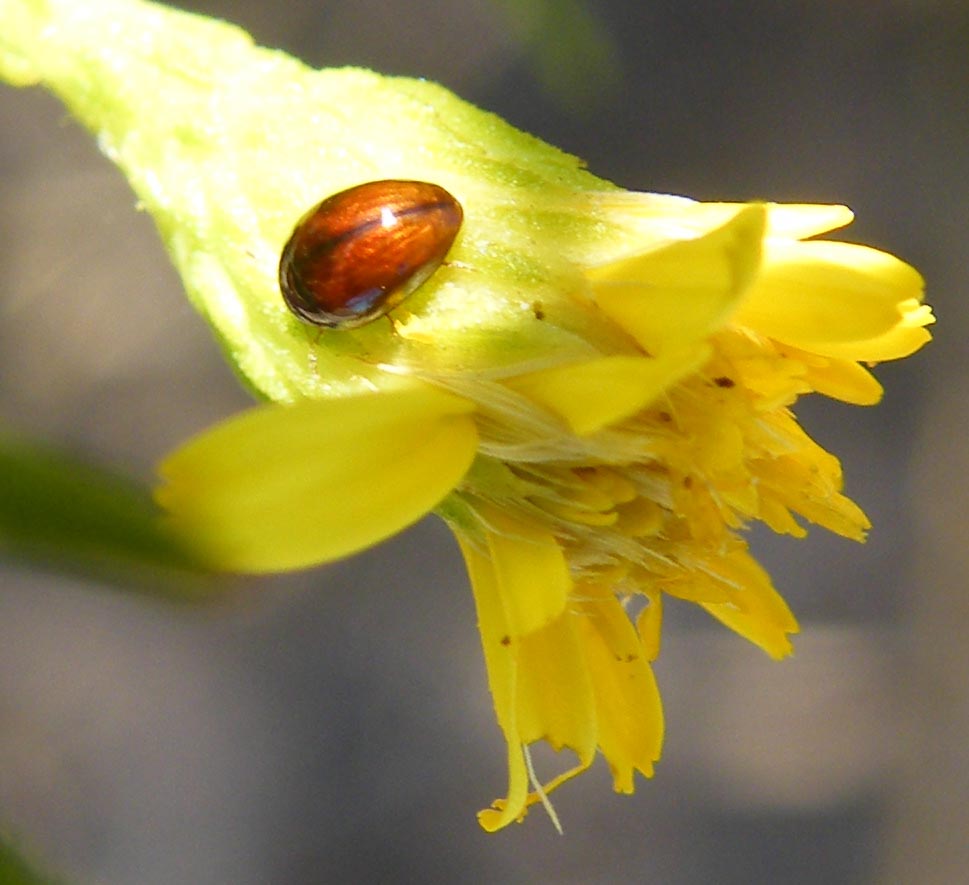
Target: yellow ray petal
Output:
[
  {"x": 802, "y": 220},
  {"x": 284, "y": 487},
  {"x": 660, "y": 216},
  {"x": 903, "y": 339},
  {"x": 810, "y": 485},
  {"x": 671, "y": 298},
  {"x": 555, "y": 700},
  {"x": 837, "y": 299},
  {"x": 594, "y": 394},
  {"x": 536, "y": 671},
  {"x": 501, "y": 661},
  {"x": 845, "y": 380},
  {"x": 628, "y": 707},
  {"x": 531, "y": 571},
  {"x": 758, "y": 612}
]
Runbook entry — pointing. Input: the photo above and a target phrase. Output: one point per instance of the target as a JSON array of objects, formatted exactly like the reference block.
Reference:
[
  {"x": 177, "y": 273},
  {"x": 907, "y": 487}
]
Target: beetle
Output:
[{"x": 358, "y": 254}]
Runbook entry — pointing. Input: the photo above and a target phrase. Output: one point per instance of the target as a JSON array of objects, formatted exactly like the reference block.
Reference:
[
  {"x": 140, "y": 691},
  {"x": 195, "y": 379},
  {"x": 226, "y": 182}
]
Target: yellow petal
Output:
[
  {"x": 672, "y": 298},
  {"x": 758, "y": 612},
  {"x": 837, "y": 299},
  {"x": 778, "y": 518},
  {"x": 809, "y": 484},
  {"x": 501, "y": 661},
  {"x": 531, "y": 571},
  {"x": 594, "y": 394},
  {"x": 903, "y": 339},
  {"x": 628, "y": 707},
  {"x": 284, "y": 487},
  {"x": 657, "y": 217},
  {"x": 536, "y": 670},
  {"x": 555, "y": 699},
  {"x": 845, "y": 380},
  {"x": 798, "y": 221}
]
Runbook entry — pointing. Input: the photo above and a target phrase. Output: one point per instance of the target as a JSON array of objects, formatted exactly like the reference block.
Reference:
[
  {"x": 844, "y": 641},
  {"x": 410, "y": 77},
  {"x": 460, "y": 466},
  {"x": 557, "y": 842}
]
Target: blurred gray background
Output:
[{"x": 335, "y": 725}]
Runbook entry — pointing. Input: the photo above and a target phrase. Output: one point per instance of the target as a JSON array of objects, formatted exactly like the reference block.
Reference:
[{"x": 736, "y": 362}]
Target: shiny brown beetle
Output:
[{"x": 361, "y": 252}]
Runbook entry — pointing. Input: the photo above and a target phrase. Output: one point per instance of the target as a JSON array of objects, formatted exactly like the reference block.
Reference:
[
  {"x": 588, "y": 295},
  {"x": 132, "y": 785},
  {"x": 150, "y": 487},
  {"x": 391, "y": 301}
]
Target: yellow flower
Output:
[
  {"x": 576, "y": 487},
  {"x": 594, "y": 392}
]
